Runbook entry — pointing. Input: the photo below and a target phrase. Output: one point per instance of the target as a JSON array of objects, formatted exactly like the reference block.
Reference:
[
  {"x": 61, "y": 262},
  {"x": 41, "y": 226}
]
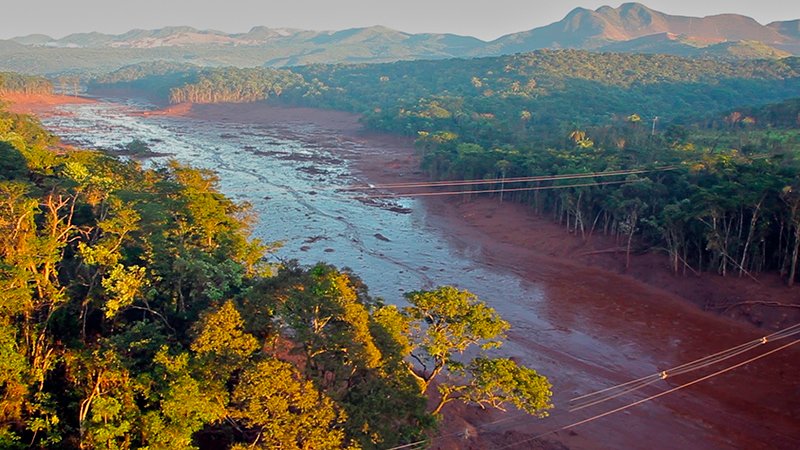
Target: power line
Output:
[
  {"x": 642, "y": 382},
  {"x": 609, "y": 393},
  {"x": 652, "y": 397},
  {"x": 489, "y": 191},
  {"x": 509, "y": 180}
]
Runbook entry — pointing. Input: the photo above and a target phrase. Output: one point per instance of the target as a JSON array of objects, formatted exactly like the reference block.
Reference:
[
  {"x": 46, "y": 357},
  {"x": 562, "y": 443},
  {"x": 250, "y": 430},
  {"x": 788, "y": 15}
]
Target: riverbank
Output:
[
  {"x": 590, "y": 328},
  {"x": 765, "y": 302},
  {"x": 644, "y": 315},
  {"x": 39, "y": 103}
]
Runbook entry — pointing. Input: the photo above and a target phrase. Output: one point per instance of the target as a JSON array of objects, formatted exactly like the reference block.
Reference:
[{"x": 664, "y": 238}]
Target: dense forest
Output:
[
  {"x": 706, "y": 150},
  {"x": 236, "y": 86},
  {"x": 138, "y": 313},
  {"x": 154, "y": 79},
  {"x": 26, "y": 84},
  {"x": 548, "y": 92}
]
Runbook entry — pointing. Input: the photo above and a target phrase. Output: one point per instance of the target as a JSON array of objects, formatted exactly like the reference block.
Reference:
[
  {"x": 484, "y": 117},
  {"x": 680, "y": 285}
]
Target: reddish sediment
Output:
[
  {"x": 609, "y": 325},
  {"x": 38, "y": 103}
]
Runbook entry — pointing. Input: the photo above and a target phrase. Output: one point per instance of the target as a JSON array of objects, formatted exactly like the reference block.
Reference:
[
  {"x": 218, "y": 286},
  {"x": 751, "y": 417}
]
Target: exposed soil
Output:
[
  {"x": 606, "y": 325},
  {"x": 38, "y": 103}
]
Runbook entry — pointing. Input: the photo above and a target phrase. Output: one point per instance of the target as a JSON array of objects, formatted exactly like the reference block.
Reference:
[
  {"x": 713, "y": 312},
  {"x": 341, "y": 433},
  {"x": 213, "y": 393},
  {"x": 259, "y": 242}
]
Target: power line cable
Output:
[
  {"x": 652, "y": 397},
  {"x": 509, "y": 180},
  {"x": 490, "y": 191},
  {"x": 609, "y": 393},
  {"x": 644, "y": 381}
]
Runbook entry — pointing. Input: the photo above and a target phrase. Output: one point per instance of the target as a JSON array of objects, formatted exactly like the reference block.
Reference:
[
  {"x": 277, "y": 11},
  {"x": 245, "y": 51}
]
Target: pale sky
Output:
[{"x": 486, "y": 19}]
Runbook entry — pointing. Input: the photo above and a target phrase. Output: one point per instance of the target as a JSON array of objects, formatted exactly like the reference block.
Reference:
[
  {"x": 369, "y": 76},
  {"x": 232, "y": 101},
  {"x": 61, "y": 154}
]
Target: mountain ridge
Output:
[
  {"x": 580, "y": 28},
  {"x": 594, "y": 29},
  {"x": 630, "y": 27}
]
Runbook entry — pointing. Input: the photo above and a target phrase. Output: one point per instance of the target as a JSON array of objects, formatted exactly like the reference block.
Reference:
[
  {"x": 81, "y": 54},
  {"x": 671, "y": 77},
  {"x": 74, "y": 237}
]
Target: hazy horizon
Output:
[{"x": 485, "y": 20}]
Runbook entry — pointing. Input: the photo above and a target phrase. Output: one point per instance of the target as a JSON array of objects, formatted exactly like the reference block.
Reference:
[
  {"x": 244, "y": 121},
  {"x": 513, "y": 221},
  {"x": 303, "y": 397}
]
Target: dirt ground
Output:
[
  {"x": 38, "y": 103},
  {"x": 606, "y": 325},
  {"x": 656, "y": 317}
]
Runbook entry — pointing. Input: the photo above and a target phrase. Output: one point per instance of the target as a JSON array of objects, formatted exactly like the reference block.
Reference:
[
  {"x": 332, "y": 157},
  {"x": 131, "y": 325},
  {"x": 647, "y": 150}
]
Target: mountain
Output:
[
  {"x": 163, "y": 37},
  {"x": 630, "y": 28},
  {"x": 10, "y": 47},
  {"x": 97, "y": 52},
  {"x": 33, "y": 39},
  {"x": 681, "y": 45},
  {"x": 789, "y": 28},
  {"x": 263, "y": 34},
  {"x": 593, "y": 30},
  {"x": 376, "y": 36}
]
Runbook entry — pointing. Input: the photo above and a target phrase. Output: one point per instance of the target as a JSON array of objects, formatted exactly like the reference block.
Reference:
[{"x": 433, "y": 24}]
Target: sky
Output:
[{"x": 486, "y": 19}]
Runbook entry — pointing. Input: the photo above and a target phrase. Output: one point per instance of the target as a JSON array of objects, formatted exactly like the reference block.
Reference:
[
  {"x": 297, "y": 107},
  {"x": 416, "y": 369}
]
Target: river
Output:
[
  {"x": 296, "y": 176},
  {"x": 297, "y": 185}
]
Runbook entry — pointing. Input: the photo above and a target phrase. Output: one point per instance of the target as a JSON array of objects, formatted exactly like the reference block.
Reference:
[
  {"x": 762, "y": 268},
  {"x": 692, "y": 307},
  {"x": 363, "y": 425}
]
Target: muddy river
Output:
[{"x": 585, "y": 331}]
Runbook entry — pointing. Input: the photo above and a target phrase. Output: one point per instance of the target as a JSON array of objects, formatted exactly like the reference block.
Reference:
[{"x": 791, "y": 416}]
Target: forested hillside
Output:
[
  {"x": 719, "y": 198},
  {"x": 723, "y": 195},
  {"x": 136, "y": 312},
  {"x": 493, "y": 98},
  {"x": 547, "y": 92}
]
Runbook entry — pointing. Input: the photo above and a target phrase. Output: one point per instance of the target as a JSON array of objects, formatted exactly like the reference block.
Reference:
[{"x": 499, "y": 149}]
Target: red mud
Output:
[
  {"x": 605, "y": 327},
  {"x": 38, "y": 103}
]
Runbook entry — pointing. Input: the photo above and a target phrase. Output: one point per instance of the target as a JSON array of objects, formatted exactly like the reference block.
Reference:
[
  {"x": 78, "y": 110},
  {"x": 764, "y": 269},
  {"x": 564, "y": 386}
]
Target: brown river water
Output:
[{"x": 585, "y": 328}]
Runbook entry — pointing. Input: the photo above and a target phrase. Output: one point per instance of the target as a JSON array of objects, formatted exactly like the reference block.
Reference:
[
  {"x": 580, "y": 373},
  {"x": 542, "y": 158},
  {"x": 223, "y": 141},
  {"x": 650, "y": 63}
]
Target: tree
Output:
[
  {"x": 791, "y": 196},
  {"x": 443, "y": 324},
  {"x": 500, "y": 381},
  {"x": 354, "y": 354},
  {"x": 185, "y": 403},
  {"x": 280, "y": 410}
]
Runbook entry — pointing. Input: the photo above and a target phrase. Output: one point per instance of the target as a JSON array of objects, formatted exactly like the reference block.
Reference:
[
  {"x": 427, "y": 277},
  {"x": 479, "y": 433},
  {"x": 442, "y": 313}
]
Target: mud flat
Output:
[
  {"x": 592, "y": 327},
  {"x": 39, "y": 103}
]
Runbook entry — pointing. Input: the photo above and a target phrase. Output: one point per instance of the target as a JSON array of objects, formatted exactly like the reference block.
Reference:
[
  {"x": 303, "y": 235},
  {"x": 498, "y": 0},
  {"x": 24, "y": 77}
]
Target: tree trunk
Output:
[
  {"x": 750, "y": 232},
  {"x": 444, "y": 400},
  {"x": 793, "y": 269},
  {"x": 630, "y": 238}
]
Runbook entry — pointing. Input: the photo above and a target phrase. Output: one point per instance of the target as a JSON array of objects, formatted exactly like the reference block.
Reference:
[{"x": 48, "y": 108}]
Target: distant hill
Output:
[
  {"x": 680, "y": 45},
  {"x": 379, "y": 38},
  {"x": 789, "y": 28},
  {"x": 630, "y": 28},
  {"x": 598, "y": 29}
]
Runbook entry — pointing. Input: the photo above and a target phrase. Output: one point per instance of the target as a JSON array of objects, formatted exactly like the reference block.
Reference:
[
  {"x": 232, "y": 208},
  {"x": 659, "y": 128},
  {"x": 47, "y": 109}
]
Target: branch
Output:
[
  {"x": 156, "y": 313},
  {"x": 608, "y": 250},
  {"x": 736, "y": 263},
  {"x": 419, "y": 360},
  {"x": 757, "y": 302}
]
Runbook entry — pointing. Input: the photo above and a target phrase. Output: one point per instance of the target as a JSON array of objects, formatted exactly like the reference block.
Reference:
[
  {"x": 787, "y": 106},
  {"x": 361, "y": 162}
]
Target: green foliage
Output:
[
  {"x": 185, "y": 404},
  {"x": 220, "y": 333},
  {"x": 137, "y": 313},
  {"x": 495, "y": 382},
  {"x": 449, "y": 320},
  {"x": 235, "y": 85},
  {"x": 13, "y": 165},
  {"x": 283, "y": 411},
  {"x": 27, "y": 84},
  {"x": 551, "y": 91},
  {"x": 153, "y": 79},
  {"x": 355, "y": 354},
  {"x": 122, "y": 285},
  {"x": 446, "y": 322},
  {"x": 781, "y": 115}
]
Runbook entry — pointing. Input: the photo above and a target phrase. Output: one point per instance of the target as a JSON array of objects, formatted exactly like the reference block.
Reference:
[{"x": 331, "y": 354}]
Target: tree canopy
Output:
[{"x": 137, "y": 312}]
